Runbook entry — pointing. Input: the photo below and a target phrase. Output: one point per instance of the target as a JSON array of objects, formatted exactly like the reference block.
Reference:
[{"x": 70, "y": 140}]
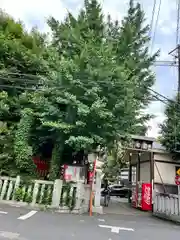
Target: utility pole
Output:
[
  {"x": 177, "y": 56},
  {"x": 178, "y": 97},
  {"x": 177, "y": 103}
]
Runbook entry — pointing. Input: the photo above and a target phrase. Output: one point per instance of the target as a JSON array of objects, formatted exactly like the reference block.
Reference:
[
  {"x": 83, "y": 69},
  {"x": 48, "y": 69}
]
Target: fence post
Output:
[
  {"x": 3, "y": 192},
  {"x": 97, "y": 197},
  {"x": 79, "y": 193},
  {"x": 17, "y": 183},
  {"x": 97, "y": 208},
  {"x": 57, "y": 189},
  {"x": 35, "y": 193}
]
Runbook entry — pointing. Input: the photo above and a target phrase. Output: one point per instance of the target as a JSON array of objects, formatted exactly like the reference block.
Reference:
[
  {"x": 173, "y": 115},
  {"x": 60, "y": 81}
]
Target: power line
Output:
[
  {"x": 162, "y": 96},
  {"x": 41, "y": 88},
  {"x": 165, "y": 64},
  {"x": 33, "y": 88},
  {"x": 178, "y": 22},
  {"x": 28, "y": 75},
  {"x": 154, "y": 95},
  {"x": 39, "y": 80},
  {"x": 155, "y": 27},
  {"x": 17, "y": 87},
  {"x": 22, "y": 80},
  {"x": 152, "y": 19}
]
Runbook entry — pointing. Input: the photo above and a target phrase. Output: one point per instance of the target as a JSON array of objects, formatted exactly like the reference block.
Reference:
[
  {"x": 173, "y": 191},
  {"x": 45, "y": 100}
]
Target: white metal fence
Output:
[
  {"x": 52, "y": 194},
  {"x": 166, "y": 205}
]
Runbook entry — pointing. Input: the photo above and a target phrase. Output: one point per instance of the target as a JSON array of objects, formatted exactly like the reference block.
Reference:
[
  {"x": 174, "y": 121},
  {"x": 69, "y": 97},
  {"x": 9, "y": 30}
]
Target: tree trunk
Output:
[{"x": 56, "y": 160}]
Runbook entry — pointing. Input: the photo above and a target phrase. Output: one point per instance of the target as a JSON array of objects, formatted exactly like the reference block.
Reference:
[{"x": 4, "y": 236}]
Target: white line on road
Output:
[
  {"x": 101, "y": 220},
  {"x": 2, "y": 212},
  {"x": 28, "y": 215},
  {"x": 9, "y": 235},
  {"x": 115, "y": 229},
  {"x": 15, "y": 205}
]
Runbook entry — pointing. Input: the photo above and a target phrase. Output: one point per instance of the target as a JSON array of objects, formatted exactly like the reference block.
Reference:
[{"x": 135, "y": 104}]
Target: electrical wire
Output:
[
  {"x": 33, "y": 88},
  {"x": 4, "y": 73},
  {"x": 160, "y": 95},
  {"x": 178, "y": 22},
  {"x": 18, "y": 87},
  {"x": 154, "y": 93},
  {"x": 155, "y": 27},
  {"x": 23, "y": 80},
  {"x": 152, "y": 19},
  {"x": 40, "y": 87}
]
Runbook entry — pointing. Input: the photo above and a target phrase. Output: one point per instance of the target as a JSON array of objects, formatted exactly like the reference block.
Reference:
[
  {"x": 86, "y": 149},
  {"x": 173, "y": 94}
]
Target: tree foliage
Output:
[
  {"x": 91, "y": 83},
  {"x": 22, "y": 150},
  {"x": 114, "y": 161},
  {"x": 22, "y": 58},
  {"x": 170, "y": 135}
]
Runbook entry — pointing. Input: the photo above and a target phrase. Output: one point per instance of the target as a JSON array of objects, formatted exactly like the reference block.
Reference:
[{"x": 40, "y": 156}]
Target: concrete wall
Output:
[{"x": 164, "y": 172}]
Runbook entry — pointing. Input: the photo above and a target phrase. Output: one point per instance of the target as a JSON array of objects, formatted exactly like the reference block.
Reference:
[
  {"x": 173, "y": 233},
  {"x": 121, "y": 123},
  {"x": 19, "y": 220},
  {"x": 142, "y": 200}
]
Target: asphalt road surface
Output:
[{"x": 24, "y": 224}]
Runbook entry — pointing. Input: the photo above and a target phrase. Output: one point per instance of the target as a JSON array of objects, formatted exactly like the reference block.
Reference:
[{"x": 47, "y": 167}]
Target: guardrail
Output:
[
  {"x": 52, "y": 194},
  {"x": 166, "y": 206}
]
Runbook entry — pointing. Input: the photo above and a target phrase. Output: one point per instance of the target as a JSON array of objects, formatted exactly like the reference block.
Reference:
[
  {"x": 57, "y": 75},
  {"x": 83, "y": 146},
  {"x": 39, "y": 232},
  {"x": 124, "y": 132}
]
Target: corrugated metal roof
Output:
[
  {"x": 143, "y": 138},
  {"x": 157, "y": 145}
]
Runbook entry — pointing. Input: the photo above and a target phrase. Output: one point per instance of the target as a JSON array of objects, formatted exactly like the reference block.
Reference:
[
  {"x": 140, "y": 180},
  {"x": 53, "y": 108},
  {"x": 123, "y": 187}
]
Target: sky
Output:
[{"x": 35, "y": 13}]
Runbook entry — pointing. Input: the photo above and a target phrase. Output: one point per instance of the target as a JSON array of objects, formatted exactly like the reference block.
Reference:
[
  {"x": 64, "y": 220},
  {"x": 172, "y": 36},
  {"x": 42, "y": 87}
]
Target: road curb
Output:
[{"x": 164, "y": 217}]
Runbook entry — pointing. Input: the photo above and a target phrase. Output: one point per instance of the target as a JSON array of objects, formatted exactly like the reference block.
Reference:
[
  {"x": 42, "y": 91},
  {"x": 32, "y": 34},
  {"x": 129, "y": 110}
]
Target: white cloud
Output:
[
  {"x": 35, "y": 12},
  {"x": 156, "y": 109},
  {"x": 154, "y": 125},
  {"x": 39, "y": 10}
]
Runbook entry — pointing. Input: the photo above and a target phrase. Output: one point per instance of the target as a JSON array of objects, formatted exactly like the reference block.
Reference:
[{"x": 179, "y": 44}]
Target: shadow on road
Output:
[{"x": 122, "y": 207}]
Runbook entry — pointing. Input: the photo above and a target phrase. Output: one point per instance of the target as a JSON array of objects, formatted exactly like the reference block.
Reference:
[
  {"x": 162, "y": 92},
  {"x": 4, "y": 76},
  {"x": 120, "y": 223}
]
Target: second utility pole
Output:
[{"x": 178, "y": 57}]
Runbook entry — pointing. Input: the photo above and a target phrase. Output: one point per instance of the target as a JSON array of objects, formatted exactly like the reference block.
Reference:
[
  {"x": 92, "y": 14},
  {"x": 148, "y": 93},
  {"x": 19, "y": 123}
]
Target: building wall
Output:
[
  {"x": 143, "y": 157},
  {"x": 163, "y": 157},
  {"x": 145, "y": 171},
  {"x": 164, "y": 172}
]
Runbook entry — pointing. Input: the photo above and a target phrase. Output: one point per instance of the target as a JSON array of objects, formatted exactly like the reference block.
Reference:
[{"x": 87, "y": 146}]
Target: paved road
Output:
[
  {"x": 23, "y": 224},
  {"x": 121, "y": 206}
]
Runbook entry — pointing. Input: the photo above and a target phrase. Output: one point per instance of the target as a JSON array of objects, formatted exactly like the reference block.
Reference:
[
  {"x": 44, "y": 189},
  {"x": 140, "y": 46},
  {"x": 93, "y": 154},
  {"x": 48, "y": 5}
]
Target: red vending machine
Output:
[
  {"x": 146, "y": 204},
  {"x": 142, "y": 196}
]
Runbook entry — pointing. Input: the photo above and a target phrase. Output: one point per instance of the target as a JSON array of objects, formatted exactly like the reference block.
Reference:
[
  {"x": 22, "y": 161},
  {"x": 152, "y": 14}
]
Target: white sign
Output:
[{"x": 115, "y": 229}]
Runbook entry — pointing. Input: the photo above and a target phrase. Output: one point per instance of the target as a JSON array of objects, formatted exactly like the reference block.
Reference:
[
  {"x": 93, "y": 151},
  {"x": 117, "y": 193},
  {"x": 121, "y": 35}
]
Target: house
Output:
[
  {"x": 166, "y": 166},
  {"x": 150, "y": 162}
]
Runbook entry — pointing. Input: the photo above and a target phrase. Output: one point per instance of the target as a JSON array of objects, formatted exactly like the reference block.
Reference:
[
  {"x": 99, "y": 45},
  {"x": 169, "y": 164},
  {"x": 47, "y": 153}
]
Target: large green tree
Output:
[
  {"x": 92, "y": 79},
  {"x": 170, "y": 135},
  {"x": 23, "y": 64},
  {"x": 131, "y": 40},
  {"x": 104, "y": 83}
]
